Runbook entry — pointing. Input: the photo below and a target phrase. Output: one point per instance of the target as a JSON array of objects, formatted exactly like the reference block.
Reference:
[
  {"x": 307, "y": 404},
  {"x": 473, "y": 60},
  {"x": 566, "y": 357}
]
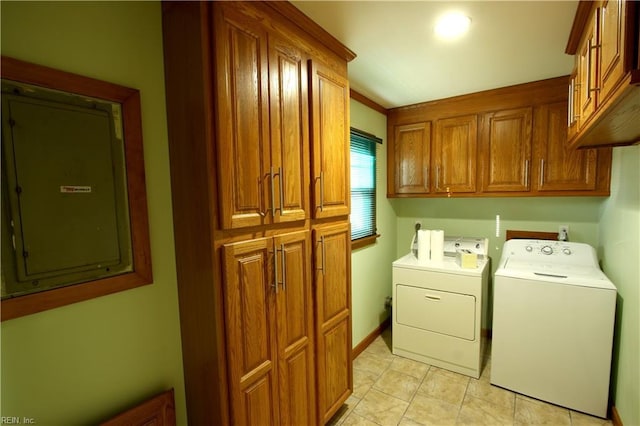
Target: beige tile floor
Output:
[{"x": 391, "y": 390}]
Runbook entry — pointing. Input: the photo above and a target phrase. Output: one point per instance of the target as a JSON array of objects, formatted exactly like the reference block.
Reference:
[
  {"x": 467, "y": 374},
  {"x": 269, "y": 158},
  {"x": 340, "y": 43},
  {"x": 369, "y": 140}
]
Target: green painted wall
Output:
[
  {"x": 619, "y": 249},
  {"x": 82, "y": 363},
  {"x": 371, "y": 265}
]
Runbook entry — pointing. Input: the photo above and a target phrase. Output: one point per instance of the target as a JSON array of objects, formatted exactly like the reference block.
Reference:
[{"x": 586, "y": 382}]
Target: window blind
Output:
[{"x": 363, "y": 184}]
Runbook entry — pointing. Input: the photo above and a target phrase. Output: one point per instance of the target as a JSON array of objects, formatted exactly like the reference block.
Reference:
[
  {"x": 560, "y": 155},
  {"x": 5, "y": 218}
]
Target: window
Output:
[{"x": 363, "y": 185}]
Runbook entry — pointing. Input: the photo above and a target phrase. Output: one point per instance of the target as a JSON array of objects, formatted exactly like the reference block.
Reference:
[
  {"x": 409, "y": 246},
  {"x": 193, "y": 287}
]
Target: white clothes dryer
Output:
[
  {"x": 553, "y": 321},
  {"x": 438, "y": 312}
]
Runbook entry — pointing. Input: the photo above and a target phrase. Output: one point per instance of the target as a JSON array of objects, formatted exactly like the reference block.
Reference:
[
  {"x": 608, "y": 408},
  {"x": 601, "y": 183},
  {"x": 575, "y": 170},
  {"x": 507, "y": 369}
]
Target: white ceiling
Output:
[{"x": 401, "y": 62}]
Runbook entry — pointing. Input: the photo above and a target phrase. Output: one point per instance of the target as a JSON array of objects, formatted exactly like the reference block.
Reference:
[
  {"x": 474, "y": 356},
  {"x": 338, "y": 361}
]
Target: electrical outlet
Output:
[{"x": 563, "y": 232}]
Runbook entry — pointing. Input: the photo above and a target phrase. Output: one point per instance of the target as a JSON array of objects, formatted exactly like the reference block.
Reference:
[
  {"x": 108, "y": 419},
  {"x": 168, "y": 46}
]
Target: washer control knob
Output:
[
  {"x": 546, "y": 250},
  {"x": 566, "y": 250},
  {"x": 529, "y": 249}
]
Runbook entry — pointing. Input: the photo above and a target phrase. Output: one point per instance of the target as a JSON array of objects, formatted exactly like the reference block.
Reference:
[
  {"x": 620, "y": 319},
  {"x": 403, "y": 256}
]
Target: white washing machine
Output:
[
  {"x": 438, "y": 311},
  {"x": 553, "y": 320}
]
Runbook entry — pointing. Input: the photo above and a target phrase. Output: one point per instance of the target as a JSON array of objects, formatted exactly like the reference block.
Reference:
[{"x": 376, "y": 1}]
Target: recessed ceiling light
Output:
[{"x": 452, "y": 25}]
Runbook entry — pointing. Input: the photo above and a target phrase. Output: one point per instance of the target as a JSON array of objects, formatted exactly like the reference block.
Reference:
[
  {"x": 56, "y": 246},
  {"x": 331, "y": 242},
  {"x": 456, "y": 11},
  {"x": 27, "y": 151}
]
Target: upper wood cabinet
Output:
[
  {"x": 506, "y": 150},
  {"x": 611, "y": 42},
  {"x": 586, "y": 74},
  {"x": 411, "y": 156},
  {"x": 263, "y": 107},
  {"x": 604, "y": 95},
  {"x": 330, "y": 139},
  {"x": 558, "y": 167},
  {"x": 503, "y": 142},
  {"x": 455, "y": 154}
]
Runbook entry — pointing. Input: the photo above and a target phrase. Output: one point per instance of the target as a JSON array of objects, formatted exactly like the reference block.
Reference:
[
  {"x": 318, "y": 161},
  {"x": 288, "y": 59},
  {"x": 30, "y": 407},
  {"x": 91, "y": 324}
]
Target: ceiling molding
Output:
[{"x": 356, "y": 96}]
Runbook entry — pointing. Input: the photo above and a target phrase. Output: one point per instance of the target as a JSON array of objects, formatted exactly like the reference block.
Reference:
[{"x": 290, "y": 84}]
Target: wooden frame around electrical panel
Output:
[{"x": 141, "y": 274}]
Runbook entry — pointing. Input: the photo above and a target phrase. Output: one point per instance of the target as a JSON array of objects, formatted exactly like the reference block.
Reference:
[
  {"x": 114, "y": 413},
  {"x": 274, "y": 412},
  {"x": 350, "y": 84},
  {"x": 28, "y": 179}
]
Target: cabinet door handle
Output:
[
  {"x": 432, "y": 297},
  {"x": 324, "y": 256},
  {"x": 526, "y": 173},
  {"x": 541, "y": 172},
  {"x": 576, "y": 98},
  {"x": 591, "y": 65},
  {"x": 284, "y": 267},
  {"x": 273, "y": 200},
  {"x": 321, "y": 191},
  {"x": 275, "y": 270},
  {"x": 280, "y": 172},
  {"x": 570, "y": 103},
  {"x": 261, "y": 198},
  {"x": 426, "y": 178},
  {"x": 437, "y": 178}
]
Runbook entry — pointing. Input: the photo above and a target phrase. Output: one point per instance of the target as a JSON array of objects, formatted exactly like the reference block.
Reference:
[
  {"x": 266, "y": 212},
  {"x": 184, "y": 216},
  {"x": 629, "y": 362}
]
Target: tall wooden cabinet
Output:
[{"x": 258, "y": 119}]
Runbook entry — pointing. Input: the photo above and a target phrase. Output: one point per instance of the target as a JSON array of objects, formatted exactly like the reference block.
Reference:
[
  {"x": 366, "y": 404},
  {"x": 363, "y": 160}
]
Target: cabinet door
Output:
[
  {"x": 250, "y": 331},
  {"x": 412, "y": 148},
  {"x": 330, "y": 139},
  {"x": 611, "y": 46},
  {"x": 506, "y": 150},
  {"x": 587, "y": 60},
  {"x": 559, "y": 168},
  {"x": 243, "y": 118},
  {"x": 333, "y": 317},
  {"x": 295, "y": 328},
  {"x": 454, "y": 154},
  {"x": 289, "y": 169}
]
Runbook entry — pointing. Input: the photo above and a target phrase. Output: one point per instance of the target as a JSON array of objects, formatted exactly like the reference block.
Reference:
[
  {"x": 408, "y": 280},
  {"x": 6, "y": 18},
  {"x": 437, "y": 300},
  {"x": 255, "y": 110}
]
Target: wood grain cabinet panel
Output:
[
  {"x": 454, "y": 154},
  {"x": 264, "y": 122},
  {"x": 506, "y": 150},
  {"x": 604, "y": 39},
  {"x": 559, "y": 167},
  {"x": 333, "y": 316},
  {"x": 587, "y": 72},
  {"x": 411, "y": 156},
  {"x": 269, "y": 316},
  {"x": 289, "y": 114},
  {"x": 330, "y": 133},
  {"x": 243, "y": 105},
  {"x": 295, "y": 336},
  {"x": 611, "y": 47},
  {"x": 251, "y": 332}
]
